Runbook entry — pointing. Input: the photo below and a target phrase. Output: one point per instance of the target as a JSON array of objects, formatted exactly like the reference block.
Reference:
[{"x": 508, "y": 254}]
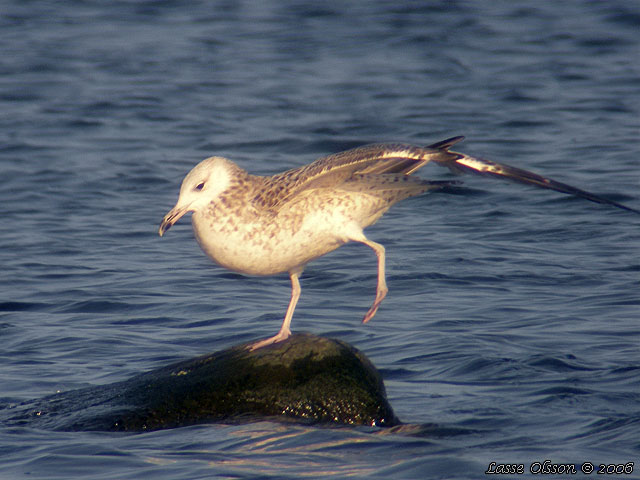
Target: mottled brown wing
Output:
[
  {"x": 404, "y": 159},
  {"x": 334, "y": 170}
]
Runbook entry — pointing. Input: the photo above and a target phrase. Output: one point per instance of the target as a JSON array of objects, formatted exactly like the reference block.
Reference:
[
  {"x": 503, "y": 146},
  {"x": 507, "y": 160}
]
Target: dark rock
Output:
[{"x": 306, "y": 378}]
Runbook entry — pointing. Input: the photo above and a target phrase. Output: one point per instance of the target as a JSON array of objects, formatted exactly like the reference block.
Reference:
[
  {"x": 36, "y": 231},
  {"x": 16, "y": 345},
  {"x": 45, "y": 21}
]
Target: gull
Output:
[{"x": 265, "y": 225}]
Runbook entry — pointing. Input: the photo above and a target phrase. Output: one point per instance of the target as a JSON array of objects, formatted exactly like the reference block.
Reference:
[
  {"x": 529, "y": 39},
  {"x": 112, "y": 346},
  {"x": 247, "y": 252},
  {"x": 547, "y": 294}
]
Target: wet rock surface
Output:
[{"x": 306, "y": 378}]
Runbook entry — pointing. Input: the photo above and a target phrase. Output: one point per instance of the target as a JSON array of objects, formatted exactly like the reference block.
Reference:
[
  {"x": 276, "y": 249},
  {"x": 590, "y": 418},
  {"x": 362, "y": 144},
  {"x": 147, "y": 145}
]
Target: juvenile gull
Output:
[{"x": 267, "y": 225}]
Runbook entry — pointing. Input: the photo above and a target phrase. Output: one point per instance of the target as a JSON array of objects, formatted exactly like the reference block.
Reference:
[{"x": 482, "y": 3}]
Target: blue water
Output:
[{"x": 512, "y": 326}]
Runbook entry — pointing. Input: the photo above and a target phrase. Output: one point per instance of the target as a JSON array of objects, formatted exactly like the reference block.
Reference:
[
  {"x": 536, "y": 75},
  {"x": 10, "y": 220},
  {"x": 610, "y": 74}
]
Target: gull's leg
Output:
[
  {"x": 284, "y": 332},
  {"x": 381, "y": 289}
]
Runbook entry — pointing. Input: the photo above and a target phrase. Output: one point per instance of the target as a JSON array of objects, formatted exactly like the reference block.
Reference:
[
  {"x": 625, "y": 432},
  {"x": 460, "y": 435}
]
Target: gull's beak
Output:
[{"x": 172, "y": 217}]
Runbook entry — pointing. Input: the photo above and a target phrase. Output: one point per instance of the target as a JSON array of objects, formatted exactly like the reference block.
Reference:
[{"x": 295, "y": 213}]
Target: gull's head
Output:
[{"x": 199, "y": 188}]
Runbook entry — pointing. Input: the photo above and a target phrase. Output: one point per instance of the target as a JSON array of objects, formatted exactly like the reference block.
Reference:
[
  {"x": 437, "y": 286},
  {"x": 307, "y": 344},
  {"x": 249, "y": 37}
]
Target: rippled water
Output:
[{"x": 511, "y": 331}]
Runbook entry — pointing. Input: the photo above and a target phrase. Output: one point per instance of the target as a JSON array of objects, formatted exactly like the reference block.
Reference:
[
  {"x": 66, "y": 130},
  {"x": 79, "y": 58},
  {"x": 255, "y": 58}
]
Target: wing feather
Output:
[
  {"x": 336, "y": 169},
  {"x": 399, "y": 159},
  {"x": 480, "y": 166}
]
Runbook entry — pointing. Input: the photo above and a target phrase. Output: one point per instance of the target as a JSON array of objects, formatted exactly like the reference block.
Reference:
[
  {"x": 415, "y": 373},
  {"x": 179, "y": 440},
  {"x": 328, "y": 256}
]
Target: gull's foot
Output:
[
  {"x": 372, "y": 311},
  {"x": 281, "y": 336},
  {"x": 374, "y": 308}
]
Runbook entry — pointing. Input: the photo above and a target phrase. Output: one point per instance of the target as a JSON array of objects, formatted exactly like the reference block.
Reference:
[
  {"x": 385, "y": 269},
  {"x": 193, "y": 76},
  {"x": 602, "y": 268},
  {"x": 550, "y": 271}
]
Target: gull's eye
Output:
[{"x": 199, "y": 186}]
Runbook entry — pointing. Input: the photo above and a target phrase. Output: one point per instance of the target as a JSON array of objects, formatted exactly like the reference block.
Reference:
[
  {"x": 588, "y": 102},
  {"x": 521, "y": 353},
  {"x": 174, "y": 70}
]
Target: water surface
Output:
[{"x": 512, "y": 324}]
